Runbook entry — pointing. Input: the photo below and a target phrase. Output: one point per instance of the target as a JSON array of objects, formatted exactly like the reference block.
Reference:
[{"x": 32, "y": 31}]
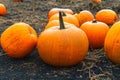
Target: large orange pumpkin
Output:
[
  {"x": 112, "y": 43},
  {"x": 67, "y": 18},
  {"x": 96, "y": 32},
  {"x": 56, "y": 10},
  {"x": 62, "y": 45},
  {"x": 18, "y": 40}
]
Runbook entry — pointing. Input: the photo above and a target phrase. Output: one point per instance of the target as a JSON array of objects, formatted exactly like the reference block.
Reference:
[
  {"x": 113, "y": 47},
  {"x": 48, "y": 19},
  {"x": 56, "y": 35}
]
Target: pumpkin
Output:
[
  {"x": 3, "y": 9},
  {"x": 56, "y": 10},
  {"x": 66, "y": 18},
  {"x": 54, "y": 23},
  {"x": 84, "y": 16},
  {"x": 18, "y": 40},
  {"x": 96, "y": 32},
  {"x": 107, "y": 16},
  {"x": 112, "y": 43},
  {"x": 0, "y": 40},
  {"x": 17, "y": 0},
  {"x": 96, "y": 1},
  {"x": 62, "y": 45}
]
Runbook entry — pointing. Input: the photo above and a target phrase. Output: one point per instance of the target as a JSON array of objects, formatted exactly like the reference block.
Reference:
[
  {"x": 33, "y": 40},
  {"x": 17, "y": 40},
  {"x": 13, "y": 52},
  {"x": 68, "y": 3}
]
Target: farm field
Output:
[{"x": 95, "y": 66}]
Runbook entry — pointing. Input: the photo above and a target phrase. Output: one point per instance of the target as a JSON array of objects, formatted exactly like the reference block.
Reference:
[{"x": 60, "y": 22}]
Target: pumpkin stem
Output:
[
  {"x": 63, "y": 13},
  {"x": 77, "y": 11},
  {"x": 62, "y": 26},
  {"x": 94, "y": 21}
]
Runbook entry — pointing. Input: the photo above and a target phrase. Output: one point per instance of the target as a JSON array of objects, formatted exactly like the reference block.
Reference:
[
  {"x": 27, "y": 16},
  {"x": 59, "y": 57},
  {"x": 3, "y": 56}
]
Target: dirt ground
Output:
[{"x": 96, "y": 66}]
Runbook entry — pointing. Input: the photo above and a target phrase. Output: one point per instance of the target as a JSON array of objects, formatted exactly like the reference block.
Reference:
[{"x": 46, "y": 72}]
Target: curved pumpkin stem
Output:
[{"x": 62, "y": 26}]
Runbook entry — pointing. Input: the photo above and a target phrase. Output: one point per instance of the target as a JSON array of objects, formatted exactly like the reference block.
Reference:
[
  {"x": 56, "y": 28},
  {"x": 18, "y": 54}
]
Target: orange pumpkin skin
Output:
[
  {"x": 84, "y": 16},
  {"x": 17, "y": 0},
  {"x": 68, "y": 18},
  {"x": 65, "y": 47},
  {"x": 112, "y": 43},
  {"x": 3, "y": 10},
  {"x": 0, "y": 40},
  {"x": 54, "y": 23},
  {"x": 96, "y": 1},
  {"x": 107, "y": 16},
  {"x": 96, "y": 32},
  {"x": 56, "y": 10},
  {"x": 18, "y": 40}
]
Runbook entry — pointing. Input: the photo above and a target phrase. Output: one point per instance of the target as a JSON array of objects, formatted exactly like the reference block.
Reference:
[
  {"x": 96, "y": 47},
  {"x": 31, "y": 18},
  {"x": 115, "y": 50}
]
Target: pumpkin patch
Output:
[
  {"x": 37, "y": 45},
  {"x": 60, "y": 40}
]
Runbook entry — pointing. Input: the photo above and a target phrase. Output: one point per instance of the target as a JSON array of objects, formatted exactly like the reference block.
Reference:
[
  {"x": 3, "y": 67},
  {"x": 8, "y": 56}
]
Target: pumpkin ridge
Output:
[
  {"x": 114, "y": 44},
  {"x": 112, "y": 53}
]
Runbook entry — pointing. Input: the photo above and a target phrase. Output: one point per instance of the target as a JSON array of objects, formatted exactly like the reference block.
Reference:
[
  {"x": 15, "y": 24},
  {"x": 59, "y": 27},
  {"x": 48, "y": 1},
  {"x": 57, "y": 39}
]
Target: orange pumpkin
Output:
[
  {"x": 54, "y": 23},
  {"x": 96, "y": 32},
  {"x": 107, "y": 16},
  {"x": 96, "y": 1},
  {"x": 17, "y": 0},
  {"x": 56, "y": 10},
  {"x": 66, "y": 18},
  {"x": 112, "y": 43},
  {"x": 62, "y": 45},
  {"x": 0, "y": 40},
  {"x": 18, "y": 40},
  {"x": 84, "y": 16},
  {"x": 3, "y": 9}
]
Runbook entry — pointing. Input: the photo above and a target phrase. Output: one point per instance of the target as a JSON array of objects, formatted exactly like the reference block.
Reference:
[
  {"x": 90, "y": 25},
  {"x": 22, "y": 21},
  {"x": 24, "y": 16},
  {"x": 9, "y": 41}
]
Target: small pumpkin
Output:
[
  {"x": 96, "y": 32},
  {"x": 0, "y": 40},
  {"x": 66, "y": 18},
  {"x": 107, "y": 16},
  {"x": 84, "y": 16},
  {"x": 96, "y": 1},
  {"x": 17, "y": 0},
  {"x": 3, "y": 10},
  {"x": 112, "y": 43},
  {"x": 18, "y": 40},
  {"x": 56, "y": 10},
  {"x": 62, "y": 45}
]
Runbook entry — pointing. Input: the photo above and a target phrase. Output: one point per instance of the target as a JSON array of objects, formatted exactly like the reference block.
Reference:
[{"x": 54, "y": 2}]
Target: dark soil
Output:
[{"x": 96, "y": 66}]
